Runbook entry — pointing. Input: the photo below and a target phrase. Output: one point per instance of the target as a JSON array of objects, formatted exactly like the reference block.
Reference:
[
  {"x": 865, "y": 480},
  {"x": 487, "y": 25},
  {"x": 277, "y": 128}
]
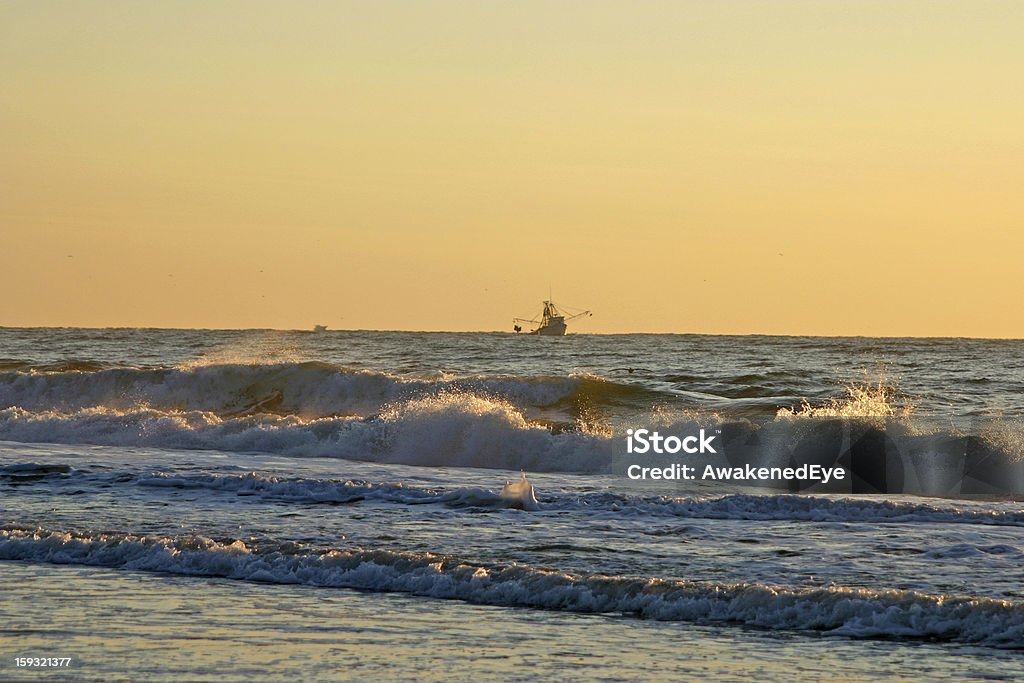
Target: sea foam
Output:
[{"x": 830, "y": 610}]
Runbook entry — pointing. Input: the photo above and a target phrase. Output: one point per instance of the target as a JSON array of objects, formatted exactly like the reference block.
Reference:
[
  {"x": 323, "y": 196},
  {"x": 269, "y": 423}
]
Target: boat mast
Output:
[{"x": 551, "y": 317}]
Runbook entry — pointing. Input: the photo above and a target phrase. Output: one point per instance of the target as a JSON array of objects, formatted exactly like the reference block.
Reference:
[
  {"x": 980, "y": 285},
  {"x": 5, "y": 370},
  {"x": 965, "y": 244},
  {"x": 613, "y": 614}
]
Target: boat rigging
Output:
[{"x": 552, "y": 322}]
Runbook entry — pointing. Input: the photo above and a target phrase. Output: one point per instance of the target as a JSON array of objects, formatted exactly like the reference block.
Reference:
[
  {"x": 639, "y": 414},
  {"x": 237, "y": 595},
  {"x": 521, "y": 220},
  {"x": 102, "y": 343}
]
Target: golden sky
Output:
[{"x": 813, "y": 167}]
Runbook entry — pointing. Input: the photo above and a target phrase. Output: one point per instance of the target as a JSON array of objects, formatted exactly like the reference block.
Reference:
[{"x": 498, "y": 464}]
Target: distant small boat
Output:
[
  {"x": 320, "y": 328},
  {"x": 552, "y": 321}
]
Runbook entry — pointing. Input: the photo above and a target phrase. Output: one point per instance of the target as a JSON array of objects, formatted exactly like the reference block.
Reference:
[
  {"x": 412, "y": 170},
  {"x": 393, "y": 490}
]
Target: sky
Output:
[{"x": 776, "y": 167}]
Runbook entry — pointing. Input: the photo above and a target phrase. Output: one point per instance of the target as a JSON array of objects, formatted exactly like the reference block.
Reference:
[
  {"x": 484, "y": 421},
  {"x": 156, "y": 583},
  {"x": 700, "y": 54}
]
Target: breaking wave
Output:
[
  {"x": 569, "y": 423},
  {"x": 467, "y": 430},
  {"x": 454, "y": 430},
  {"x": 308, "y": 389},
  {"x": 863, "y": 400},
  {"x": 832, "y": 611}
]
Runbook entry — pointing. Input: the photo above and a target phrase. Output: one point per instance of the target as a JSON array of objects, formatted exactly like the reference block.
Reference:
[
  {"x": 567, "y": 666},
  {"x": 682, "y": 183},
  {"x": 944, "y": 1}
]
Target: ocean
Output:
[{"x": 264, "y": 505}]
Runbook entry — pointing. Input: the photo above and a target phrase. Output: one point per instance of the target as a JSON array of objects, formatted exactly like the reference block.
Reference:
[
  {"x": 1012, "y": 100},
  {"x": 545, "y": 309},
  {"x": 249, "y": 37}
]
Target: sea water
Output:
[{"x": 231, "y": 505}]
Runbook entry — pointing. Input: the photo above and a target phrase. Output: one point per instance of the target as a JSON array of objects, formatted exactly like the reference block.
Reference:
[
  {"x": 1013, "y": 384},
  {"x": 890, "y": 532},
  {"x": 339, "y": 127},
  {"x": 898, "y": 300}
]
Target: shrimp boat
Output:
[{"x": 552, "y": 321}]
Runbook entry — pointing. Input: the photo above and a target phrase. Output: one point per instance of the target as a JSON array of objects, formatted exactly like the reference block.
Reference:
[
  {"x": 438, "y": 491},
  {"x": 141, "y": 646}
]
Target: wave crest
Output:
[
  {"x": 453, "y": 430},
  {"x": 308, "y": 389},
  {"x": 864, "y": 400},
  {"x": 839, "y": 611}
]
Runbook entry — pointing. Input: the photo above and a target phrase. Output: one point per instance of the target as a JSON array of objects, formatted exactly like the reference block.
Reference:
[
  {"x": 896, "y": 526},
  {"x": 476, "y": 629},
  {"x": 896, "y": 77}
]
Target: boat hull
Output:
[{"x": 553, "y": 329}]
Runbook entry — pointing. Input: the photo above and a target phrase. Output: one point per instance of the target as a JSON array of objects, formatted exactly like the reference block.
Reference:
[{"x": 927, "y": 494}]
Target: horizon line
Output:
[{"x": 520, "y": 334}]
